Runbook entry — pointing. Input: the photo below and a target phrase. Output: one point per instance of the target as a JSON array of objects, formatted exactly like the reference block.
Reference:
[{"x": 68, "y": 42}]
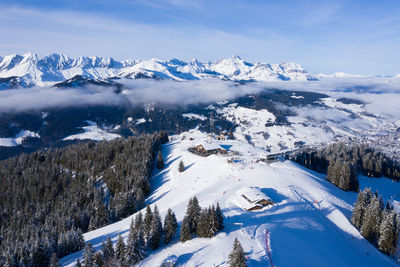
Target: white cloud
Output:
[
  {"x": 381, "y": 95},
  {"x": 139, "y": 92}
]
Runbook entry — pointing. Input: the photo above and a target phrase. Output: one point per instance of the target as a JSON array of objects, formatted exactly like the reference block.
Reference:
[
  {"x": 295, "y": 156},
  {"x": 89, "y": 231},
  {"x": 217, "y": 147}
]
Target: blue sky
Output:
[{"x": 355, "y": 36}]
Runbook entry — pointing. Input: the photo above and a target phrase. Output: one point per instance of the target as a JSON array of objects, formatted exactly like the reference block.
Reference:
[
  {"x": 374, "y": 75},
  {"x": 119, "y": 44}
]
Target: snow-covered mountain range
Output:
[{"x": 31, "y": 69}]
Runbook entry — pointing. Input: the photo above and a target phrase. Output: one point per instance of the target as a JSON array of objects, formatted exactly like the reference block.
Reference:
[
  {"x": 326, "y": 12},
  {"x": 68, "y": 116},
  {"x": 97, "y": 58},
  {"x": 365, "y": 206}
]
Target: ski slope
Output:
[{"x": 303, "y": 232}]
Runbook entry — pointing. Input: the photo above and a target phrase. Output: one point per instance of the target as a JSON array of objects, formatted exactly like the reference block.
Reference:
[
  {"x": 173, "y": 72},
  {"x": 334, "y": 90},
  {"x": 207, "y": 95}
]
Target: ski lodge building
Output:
[
  {"x": 250, "y": 198},
  {"x": 206, "y": 149}
]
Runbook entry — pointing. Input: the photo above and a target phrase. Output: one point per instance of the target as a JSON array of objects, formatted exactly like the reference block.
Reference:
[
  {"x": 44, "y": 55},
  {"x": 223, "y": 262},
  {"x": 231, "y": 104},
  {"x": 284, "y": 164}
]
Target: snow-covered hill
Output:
[
  {"x": 45, "y": 70},
  {"x": 309, "y": 224}
]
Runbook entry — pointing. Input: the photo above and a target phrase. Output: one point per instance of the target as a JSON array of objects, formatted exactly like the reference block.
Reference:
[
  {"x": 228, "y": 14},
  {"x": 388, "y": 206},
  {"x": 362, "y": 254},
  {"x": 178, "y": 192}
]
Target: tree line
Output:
[
  {"x": 147, "y": 232},
  {"x": 341, "y": 163},
  {"x": 49, "y": 197},
  {"x": 378, "y": 223},
  {"x": 204, "y": 222}
]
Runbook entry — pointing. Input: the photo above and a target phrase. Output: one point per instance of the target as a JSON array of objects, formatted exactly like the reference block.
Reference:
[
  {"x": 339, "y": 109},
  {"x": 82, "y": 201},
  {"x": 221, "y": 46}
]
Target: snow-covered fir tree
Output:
[
  {"x": 135, "y": 250},
  {"x": 389, "y": 233},
  {"x": 88, "y": 255},
  {"x": 147, "y": 224},
  {"x": 220, "y": 217},
  {"x": 54, "y": 261},
  {"x": 108, "y": 251},
  {"x": 181, "y": 167},
  {"x": 237, "y": 258},
  {"x": 373, "y": 216},
  {"x": 202, "y": 229},
  {"x": 98, "y": 260},
  {"x": 170, "y": 226},
  {"x": 363, "y": 200},
  {"x": 160, "y": 161},
  {"x": 185, "y": 234},
  {"x": 120, "y": 249},
  {"x": 156, "y": 230},
  {"x": 193, "y": 213}
]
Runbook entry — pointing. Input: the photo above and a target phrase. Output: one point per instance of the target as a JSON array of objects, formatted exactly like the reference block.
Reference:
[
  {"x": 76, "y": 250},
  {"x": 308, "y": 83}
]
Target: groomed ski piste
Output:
[{"x": 309, "y": 224}]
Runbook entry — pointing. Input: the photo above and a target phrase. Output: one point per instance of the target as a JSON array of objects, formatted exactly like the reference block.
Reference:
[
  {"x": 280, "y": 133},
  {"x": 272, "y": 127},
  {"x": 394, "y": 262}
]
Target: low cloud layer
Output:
[
  {"x": 381, "y": 95},
  {"x": 137, "y": 92}
]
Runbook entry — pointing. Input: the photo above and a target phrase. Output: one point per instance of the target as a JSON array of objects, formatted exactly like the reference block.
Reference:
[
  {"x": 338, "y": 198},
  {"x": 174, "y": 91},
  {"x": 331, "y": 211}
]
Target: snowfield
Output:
[
  {"x": 92, "y": 132},
  {"x": 18, "y": 139},
  {"x": 309, "y": 224}
]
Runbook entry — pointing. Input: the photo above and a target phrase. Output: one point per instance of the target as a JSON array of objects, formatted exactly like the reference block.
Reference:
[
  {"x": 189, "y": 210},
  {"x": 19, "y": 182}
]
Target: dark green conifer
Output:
[
  {"x": 237, "y": 258},
  {"x": 170, "y": 226},
  {"x": 181, "y": 167},
  {"x": 185, "y": 234},
  {"x": 160, "y": 161}
]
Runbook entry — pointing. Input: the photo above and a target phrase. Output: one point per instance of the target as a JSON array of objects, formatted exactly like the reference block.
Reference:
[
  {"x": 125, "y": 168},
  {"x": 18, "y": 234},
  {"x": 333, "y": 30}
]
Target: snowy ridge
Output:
[{"x": 45, "y": 70}]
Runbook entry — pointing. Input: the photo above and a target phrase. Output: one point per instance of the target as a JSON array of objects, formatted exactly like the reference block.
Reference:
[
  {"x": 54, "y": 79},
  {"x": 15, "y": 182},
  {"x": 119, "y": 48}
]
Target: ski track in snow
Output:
[{"x": 302, "y": 233}]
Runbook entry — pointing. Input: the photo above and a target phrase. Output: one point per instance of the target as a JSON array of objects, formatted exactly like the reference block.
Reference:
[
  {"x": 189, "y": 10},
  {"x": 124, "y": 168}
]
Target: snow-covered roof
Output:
[
  {"x": 241, "y": 202},
  {"x": 252, "y": 193},
  {"x": 211, "y": 146},
  {"x": 170, "y": 259}
]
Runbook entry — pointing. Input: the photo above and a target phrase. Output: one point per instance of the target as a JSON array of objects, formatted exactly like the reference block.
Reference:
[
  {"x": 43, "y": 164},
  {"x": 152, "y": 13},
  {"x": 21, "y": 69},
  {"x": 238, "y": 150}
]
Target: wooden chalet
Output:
[
  {"x": 207, "y": 149},
  {"x": 250, "y": 198}
]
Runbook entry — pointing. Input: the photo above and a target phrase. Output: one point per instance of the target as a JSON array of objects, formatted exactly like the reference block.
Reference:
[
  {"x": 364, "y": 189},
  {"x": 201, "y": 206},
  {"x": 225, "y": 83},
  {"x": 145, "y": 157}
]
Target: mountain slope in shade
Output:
[{"x": 47, "y": 70}]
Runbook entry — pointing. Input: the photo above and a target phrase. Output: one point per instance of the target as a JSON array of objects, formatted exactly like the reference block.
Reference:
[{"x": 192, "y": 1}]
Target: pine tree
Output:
[
  {"x": 358, "y": 211},
  {"x": 133, "y": 231},
  {"x": 203, "y": 224},
  {"x": 237, "y": 258},
  {"x": 98, "y": 260},
  {"x": 136, "y": 227},
  {"x": 99, "y": 218},
  {"x": 54, "y": 261},
  {"x": 78, "y": 263},
  {"x": 108, "y": 250},
  {"x": 185, "y": 234},
  {"x": 213, "y": 226},
  {"x": 155, "y": 233},
  {"x": 332, "y": 172},
  {"x": 147, "y": 224},
  {"x": 372, "y": 220},
  {"x": 389, "y": 207},
  {"x": 39, "y": 254},
  {"x": 120, "y": 249},
  {"x": 193, "y": 213},
  {"x": 160, "y": 161},
  {"x": 88, "y": 255},
  {"x": 220, "y": 217},
  {"x": 170, "y": 226},
  {"x": 135, "y": 250},
  {"x": 389, "y": 233},
  {"x": 181, "y": 167},
  {"x": 363, "y": 200}
]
